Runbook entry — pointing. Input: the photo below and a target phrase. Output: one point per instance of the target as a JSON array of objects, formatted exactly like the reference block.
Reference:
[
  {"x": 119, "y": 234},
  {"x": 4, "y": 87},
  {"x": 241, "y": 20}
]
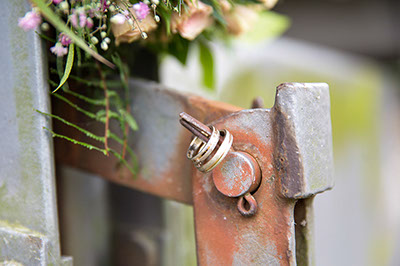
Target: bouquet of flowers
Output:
[{"x": 89, "y": 36}]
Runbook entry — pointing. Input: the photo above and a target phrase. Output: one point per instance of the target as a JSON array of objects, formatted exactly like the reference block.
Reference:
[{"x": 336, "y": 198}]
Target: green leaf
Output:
[
  {"x": 68, "y": 66},
  {"x": 128, "y": 118},
  {"x": 101, "y": 102},
  {"x": 57, "y": 22},
  {"x": 84, "y": 144},
  {"x": 86, "y": 132},
  {"x": 179, "y": 47},
  {"x": 87, "y": 113},
  {"x": 124, "y": 162},
  {"x": 45, "y": 37},
  {"x": 165, "y": 14},
  {"x": 207, "y": 64}
]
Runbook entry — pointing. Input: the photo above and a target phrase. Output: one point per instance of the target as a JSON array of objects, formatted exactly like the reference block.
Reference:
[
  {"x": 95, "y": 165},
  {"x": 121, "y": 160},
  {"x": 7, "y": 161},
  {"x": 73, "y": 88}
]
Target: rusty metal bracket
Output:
[{"x": 291, "y": 143}]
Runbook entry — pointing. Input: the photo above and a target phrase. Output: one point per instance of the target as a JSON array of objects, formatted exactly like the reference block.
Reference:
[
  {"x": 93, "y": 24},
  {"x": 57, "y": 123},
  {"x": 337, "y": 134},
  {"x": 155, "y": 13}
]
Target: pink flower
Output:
[
  {"x": 79, "y": 19},
  {"x": 82, "y": 19},
  {"x": 57, "y": 1},
  {"x": 141, "y": 10},
  {"x": 74, "y": 18},
  {"x": 30, "y": 21},
  {"x": 193, "y": 20},
  {"x": 104, "y": 5},
  {"x": 59, "y": 50},
  {"x": 64, "y": 39},
  {"x": 89, "y": 22}
]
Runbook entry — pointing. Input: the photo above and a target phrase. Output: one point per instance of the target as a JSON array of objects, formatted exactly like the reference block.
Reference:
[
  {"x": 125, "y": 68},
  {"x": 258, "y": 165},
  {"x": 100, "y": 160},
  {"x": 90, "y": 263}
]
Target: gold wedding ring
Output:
[{"x": 206, "y": 155}]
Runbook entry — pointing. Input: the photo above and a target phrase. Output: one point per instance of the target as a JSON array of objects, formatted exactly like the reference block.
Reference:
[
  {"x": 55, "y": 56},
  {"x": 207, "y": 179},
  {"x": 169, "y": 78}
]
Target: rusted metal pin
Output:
[
  {"x": 197, "y": 128},
  {"x": 258, "y": 102},
  {"x": 253, "y": 206},
  {"x": 194, "y": 130}
]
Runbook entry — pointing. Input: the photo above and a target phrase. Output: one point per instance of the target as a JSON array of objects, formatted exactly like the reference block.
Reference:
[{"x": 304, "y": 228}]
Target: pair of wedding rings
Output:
[{"x": 207, "y": 155}]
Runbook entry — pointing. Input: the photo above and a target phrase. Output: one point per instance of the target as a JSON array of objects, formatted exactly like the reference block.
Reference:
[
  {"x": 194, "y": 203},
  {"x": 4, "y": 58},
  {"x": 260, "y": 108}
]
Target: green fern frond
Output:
[
  {"x": 123, "y": 161},
  {"x": 121, "y": 141},
  {"x": 84, "y": 131},
  {"x": 99, "y": 102},
  {"x": 128, "y": 118},
  {"x": 87, "y": 113},
  {"x": 87, "y": 82},
  {"x": 84, "y": 144}
]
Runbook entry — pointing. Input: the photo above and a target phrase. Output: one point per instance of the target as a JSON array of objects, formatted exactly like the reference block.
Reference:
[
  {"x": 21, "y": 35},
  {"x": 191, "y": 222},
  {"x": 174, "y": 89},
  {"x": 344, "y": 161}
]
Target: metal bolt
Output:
[{"x": 237, "y": 175}]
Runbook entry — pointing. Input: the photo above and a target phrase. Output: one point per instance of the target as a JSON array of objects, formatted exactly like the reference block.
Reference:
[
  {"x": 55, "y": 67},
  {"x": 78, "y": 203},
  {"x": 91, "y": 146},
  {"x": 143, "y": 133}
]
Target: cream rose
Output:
[
  {"x": 193, "y": 20},
  {"x": 124, "y": 33},
  {"x": 240, "y": 19}
]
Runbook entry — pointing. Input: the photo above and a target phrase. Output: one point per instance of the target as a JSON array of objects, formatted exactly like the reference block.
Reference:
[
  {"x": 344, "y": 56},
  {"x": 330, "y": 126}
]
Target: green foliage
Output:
[
  {"x": 117, "y": 111},
  {"x": 86, "y": 132},
  {"x": 179, "y": 48},
  {"x": 132, "y": 169},
  {"x": 84, "y": 144},
  {"x": 45, "y": 37},
  {"x": 68, "y": 66},
  {"x": 102, "y": 104},
  {"x": 207, "y": 64},
  {"x": 99, "y": 102},
  {"x": 127, "y": 117},
  {"x": 57, "y": 22},
  {"x": 75, "y": 106},
  {"x": 217, "y": 11},
  {"x": 165, "y": 13}
]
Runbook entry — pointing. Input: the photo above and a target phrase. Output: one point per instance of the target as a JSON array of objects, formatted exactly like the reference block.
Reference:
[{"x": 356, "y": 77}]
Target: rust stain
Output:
[
  {"x": 287, "y": 160},
  {"x": 229, "y": 238}
]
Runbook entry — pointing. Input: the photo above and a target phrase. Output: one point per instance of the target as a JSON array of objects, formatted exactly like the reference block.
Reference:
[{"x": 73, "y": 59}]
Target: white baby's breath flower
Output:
[
  {"x": 104, "y": 45},
  {"x": 64, "y": 5},
  {"x": 118, "y": 19},
  {"x": 94, "y": 40}
]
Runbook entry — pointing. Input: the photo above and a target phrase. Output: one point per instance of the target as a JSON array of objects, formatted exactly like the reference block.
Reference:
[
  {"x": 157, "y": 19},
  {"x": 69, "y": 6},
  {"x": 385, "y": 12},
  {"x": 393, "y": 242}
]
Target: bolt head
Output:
[{"x": 237, "y": 174}]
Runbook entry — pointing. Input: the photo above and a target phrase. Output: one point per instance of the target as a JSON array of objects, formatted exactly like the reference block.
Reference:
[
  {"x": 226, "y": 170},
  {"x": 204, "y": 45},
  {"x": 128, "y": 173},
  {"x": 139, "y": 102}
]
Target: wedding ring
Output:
[
  {"x": 219, "y": 154},
  {"x": 194, "y": 147},
  {"x": 207, "y": 155},
  {"x": 207, "y": 149}
]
